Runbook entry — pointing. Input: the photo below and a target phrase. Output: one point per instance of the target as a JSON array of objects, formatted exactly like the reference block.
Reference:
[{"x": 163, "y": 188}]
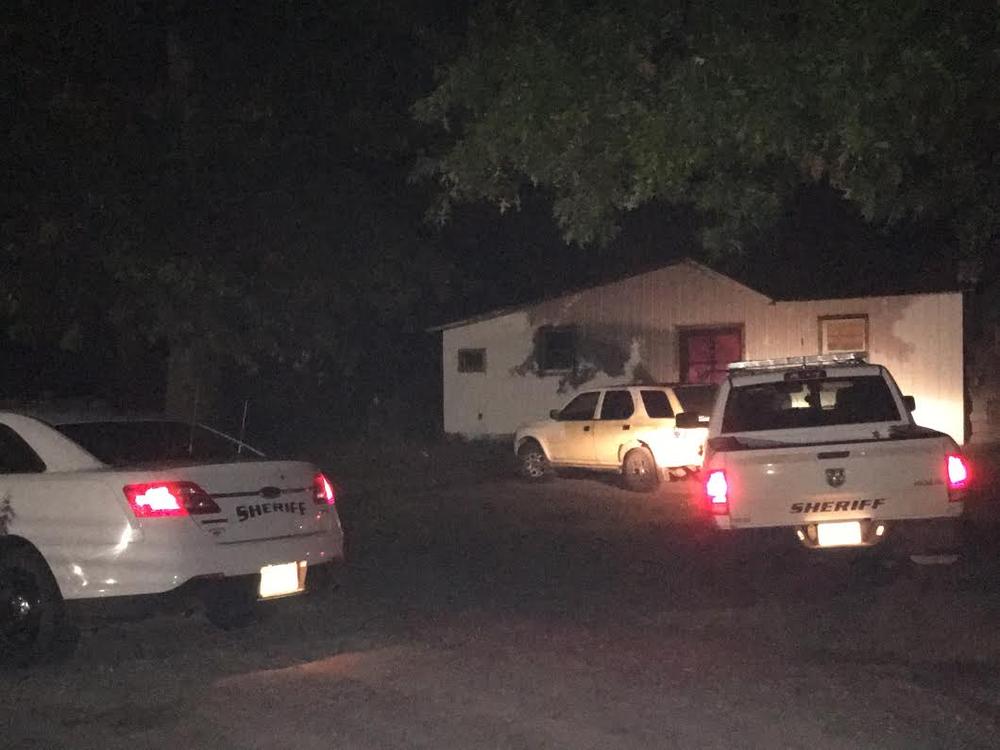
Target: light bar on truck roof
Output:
[{"x": 787, "y": 363}]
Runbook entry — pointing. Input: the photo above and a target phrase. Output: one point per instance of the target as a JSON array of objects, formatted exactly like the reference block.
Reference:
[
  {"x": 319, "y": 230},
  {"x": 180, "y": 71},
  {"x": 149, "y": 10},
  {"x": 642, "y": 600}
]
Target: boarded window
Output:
[
  {"x": 557, "y": 349},
  {"x": 472, "y": 360},
  {"x": 847, "y": 333}
]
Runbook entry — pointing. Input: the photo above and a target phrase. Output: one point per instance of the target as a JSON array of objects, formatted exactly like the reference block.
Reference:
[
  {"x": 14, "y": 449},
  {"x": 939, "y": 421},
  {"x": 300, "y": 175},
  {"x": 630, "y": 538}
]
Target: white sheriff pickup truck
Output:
[
  {"x": 100, "y": 510},
  {"x": 827, "y": 447}
]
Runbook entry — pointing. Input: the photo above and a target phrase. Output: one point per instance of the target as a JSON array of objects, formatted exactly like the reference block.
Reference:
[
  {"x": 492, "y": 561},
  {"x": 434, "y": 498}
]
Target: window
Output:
[
  {"x": 581, "y": 408},
  {"x": 657, "y": 404},
  {"x": 617, "y": 405},
  {"x": 844, "y": 333},
  {"x": 16, "y": 456},
  {"x": 472, "y": 360},
  {"x": 810, "y": 403},
  {"x": 697, "y": 398},
  {"x": 557, "y": 349}
]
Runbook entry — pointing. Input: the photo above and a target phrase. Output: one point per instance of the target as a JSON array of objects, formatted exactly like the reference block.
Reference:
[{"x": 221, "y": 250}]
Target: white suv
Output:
[{"x": 630, "y": 429}]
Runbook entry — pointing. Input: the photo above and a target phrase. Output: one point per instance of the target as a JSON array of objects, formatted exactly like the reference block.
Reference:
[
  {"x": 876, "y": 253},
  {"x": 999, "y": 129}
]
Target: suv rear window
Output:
[
  {"x": 657, "y": 404},
  {"x": 809, "y": 403},
  {"x": 697, "y": 398}
]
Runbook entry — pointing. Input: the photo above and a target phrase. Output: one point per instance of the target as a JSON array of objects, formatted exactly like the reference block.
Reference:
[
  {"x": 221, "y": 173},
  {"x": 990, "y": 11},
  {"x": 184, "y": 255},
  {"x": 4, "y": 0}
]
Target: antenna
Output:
[
  {"x": 243, "y": 427},
  {"x": 194, "y": 417}
]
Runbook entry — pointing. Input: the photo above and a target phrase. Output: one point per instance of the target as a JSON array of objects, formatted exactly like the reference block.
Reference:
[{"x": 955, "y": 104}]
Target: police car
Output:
[
  {"x": 116, "y": 509},
  {"x": 826, "y": 446}
]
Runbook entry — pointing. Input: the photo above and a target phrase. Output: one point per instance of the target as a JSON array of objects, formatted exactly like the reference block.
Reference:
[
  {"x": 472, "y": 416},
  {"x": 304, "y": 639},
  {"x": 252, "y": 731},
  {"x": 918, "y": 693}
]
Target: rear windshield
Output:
[
  {"x": 697, "y": 398},
  {"x": 152, "y": 441},
  {"x": 811, "y": 403}
]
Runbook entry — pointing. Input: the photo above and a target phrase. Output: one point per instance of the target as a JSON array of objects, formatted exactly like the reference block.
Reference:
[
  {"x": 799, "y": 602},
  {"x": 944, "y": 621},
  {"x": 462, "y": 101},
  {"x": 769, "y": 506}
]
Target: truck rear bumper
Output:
[{"x": 919, "y": 536}]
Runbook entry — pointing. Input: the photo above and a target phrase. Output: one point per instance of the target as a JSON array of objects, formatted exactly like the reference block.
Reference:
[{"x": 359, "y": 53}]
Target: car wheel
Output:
[
  {"x": 639, "y": 470},
  {"x": 534, "y": 466},
  {"x": 33, "y": 622},
  {"x": 232, "y": 605}
]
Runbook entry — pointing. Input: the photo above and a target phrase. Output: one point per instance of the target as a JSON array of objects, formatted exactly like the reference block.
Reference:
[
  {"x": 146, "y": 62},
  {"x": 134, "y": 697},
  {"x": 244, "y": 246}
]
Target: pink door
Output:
[{"x": 706, "y": 353}]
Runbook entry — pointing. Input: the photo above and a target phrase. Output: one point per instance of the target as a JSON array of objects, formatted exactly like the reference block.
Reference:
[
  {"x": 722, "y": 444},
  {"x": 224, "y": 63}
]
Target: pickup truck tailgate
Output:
[{"x": 888, "y": 479}]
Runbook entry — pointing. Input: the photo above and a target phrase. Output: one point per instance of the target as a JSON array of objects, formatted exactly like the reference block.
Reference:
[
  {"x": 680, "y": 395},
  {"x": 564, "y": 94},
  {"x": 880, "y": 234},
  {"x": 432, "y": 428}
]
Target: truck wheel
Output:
[
  {"x": 33, "y": 622},
  {"x": 639, "y": 470},
  {"x": 534, "y": 466}
]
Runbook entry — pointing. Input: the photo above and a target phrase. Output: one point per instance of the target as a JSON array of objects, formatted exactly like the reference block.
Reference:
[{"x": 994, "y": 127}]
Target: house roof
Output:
[{"x": 501, "y": 311}]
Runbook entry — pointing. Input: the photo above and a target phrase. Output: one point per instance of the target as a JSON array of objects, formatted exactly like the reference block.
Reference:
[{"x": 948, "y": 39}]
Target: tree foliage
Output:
[{"x": 727, "y": 106}]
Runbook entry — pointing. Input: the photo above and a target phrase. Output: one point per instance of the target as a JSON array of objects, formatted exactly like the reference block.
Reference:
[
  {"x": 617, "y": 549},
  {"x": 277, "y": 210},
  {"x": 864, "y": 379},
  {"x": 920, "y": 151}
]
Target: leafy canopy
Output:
[{"x": 727, "y": 106}]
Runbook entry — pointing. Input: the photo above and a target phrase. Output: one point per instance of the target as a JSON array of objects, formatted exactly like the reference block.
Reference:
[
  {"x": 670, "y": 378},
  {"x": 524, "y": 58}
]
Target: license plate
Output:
[
  {"x": 282, "y": 580},
  {"x": 840, "y": 534}
]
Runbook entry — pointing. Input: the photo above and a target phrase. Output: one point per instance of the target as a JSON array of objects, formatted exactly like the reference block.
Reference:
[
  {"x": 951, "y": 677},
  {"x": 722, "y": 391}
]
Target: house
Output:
[{"x": 686, "y": 322}]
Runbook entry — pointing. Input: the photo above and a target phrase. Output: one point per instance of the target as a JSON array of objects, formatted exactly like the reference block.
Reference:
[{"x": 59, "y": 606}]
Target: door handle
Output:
[
  {"x": 626, "y": 426},
  {"x": 586, "y": 428}
]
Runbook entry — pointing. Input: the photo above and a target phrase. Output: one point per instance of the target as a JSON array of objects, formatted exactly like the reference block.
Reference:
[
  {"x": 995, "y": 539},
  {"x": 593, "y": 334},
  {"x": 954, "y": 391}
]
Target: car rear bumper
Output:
[
  {"x": 162, "y": 562},
  {"x": 191, "y": 595}
]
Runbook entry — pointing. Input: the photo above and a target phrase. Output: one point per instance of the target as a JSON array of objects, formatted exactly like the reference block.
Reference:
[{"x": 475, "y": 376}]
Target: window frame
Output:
[
  {"x": 474, "y": 351},
  {"x": 543, "y": 348},
  {"x": 666, "y": 396},
  {"x": 593, "y": 412},
  {"x": 822, "y": 320},
  {"x": 604, "y": 400}
]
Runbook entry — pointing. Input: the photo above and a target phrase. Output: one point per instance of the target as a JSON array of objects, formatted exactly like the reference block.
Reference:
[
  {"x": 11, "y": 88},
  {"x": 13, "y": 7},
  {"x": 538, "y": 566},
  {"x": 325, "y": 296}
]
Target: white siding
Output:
[{"x": 631, "y": 327}]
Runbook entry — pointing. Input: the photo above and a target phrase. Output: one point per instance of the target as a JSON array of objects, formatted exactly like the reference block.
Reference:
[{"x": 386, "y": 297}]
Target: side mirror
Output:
[
  {"x": 910, "y": 403},
  {"x": 687, "y": 420},
  {"x": 554, "y": 414}
]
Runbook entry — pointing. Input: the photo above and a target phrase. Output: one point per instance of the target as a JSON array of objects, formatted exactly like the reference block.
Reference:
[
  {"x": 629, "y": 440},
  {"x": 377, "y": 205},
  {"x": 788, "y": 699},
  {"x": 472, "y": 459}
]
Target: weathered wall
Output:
[{"x": 629, "y": 331}]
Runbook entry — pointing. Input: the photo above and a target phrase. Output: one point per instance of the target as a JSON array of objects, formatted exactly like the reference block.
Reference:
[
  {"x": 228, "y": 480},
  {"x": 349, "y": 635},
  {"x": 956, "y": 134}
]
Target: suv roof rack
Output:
[{"x": 788, "y": 363}]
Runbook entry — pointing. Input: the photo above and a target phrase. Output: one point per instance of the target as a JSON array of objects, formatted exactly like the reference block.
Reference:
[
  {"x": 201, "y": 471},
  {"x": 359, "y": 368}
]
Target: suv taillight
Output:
[
  {"x": 323, "y": 491},
  {"x": 958, "y": 476},
  {"x": 717, "y": 491},
  {"x": 164, "y": 499}
]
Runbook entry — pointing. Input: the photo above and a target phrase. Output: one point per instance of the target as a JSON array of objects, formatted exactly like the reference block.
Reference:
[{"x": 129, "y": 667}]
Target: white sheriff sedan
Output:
[{"x": 113, "y": 509}]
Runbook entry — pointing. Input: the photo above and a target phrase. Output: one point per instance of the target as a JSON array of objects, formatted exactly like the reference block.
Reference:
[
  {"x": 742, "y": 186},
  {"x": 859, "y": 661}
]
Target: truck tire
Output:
[
  {"x": 532, "y": 462},
  {"x": 639, "y": 470},
  {"x": 33, "y": 621}
]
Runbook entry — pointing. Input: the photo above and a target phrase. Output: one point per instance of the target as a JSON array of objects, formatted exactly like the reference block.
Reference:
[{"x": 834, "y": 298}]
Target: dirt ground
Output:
[{"x": 479, "y": 612}]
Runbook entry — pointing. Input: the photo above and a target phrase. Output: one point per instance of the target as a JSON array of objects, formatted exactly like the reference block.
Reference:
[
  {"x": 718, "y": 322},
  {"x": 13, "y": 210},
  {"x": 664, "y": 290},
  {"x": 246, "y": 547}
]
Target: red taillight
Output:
[
  {"x": 323, "y": 491},
  {"x": 163, "y": 499},
  {"x": 717, "y": 490},
  {"x": 958, "y": 472}
]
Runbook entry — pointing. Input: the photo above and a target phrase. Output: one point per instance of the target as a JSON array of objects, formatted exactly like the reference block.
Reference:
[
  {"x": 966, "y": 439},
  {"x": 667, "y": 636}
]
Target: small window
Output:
[
  {"x": 16, "y": 456},
  {"x": 557, "y": 350},
  {"x": 472, "y": 360},
  {"x": 617, "y": 405},
  {"x": 581, "y": 408},
  {"x": 848, "y": 333},
  {"x": 657, "y": 404}
]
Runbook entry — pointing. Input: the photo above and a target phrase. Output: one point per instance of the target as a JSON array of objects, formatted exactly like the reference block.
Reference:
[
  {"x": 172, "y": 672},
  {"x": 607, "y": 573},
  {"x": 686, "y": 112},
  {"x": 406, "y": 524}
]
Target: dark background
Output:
[{"x": 239, "y": 176}]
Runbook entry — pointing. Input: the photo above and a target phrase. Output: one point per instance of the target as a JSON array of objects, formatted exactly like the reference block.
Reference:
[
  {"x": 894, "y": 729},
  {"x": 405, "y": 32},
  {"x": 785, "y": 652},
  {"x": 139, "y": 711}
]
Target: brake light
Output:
[
  {"x": 958, "y": 472},
  {"x": 323, "y": 491},
  {"x": 717, "y": 490},
  {"x": 164, "y": 499}
]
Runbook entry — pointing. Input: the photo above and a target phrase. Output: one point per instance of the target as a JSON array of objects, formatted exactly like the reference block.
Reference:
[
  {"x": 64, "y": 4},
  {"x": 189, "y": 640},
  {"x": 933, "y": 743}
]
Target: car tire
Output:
[
  {"x": 533, "y": 465},
  {"x": 33, "y": 621},
  {"x": 639, "y": 472},
  {"x": 232, "y": 605}
]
